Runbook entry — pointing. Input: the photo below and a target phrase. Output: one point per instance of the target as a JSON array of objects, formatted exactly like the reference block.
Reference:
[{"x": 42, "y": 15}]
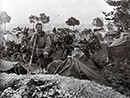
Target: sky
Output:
[{"x": 58, "y": 10}]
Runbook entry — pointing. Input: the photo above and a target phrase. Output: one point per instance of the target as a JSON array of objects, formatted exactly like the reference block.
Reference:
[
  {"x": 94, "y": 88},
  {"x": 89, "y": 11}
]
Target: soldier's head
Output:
[{"x": 39, "y": 27}]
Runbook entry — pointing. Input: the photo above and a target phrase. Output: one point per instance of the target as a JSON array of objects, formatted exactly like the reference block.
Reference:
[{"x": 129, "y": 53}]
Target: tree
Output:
[
  {"x": 97, "y": 22},
  {"x": 72, "y": 22},
  {"x": 43, "y": 18},
  {"x": 4, "y": 18},
  {"x": 109, "y": 16},
  {"x": 33, "y": 19},
  {"x": 121, "y": 14}
]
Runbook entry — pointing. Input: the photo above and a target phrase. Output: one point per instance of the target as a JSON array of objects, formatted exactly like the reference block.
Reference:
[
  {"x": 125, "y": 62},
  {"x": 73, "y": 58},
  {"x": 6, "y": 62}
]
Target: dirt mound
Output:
[{"x": 52, "y": 86}]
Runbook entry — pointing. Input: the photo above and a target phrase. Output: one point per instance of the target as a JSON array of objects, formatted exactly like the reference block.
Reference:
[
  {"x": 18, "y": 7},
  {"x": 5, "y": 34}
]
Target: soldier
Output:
[
  {"x": 68, "y": 40},
  {"x": 43, "y": 46}
]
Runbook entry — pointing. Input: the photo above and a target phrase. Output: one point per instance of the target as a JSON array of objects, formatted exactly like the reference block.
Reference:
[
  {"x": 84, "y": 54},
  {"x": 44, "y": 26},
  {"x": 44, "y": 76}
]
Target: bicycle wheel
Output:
[
  {"x": 53, "y": 47},
  {"x": 3, "y": 54},
  {"x": 26, "y": 57},
  {"x": 17, "y": 56}
]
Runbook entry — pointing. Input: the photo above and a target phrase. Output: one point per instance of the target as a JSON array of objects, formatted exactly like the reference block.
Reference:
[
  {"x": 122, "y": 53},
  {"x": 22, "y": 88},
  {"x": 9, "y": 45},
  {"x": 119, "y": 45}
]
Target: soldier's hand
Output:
[
  {"x": 35, "y": 33},
  {"x": 45, "y": 54}
]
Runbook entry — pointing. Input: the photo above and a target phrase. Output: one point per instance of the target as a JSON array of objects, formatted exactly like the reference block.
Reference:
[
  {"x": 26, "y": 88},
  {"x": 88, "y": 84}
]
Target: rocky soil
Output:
[{"x": 52, "y": 86}]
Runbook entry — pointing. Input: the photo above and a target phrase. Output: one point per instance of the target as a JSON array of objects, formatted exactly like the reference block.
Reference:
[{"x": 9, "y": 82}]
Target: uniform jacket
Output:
[{"x": 43, "y": 43}]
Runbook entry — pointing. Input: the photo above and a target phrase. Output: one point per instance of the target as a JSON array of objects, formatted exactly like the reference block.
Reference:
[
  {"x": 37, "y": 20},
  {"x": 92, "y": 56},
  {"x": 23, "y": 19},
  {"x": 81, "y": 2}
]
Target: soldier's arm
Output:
[{"x": 48, "y": 44}]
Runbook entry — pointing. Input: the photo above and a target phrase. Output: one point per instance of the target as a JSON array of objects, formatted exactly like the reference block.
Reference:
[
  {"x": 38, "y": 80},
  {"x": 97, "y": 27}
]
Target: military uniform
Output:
[{"x": 43, "y": 46}]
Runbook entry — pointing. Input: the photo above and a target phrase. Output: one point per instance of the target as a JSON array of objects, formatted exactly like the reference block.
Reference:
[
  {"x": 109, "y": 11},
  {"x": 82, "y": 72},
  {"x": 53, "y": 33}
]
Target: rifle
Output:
[
  {"x": 60, "y": 66},
  {"x": 31, "y": 58}
]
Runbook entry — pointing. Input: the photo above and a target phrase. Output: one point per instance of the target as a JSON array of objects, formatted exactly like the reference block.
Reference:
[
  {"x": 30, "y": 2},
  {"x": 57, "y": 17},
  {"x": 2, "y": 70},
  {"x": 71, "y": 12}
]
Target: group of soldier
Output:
[{"x": 43, "y": 45}]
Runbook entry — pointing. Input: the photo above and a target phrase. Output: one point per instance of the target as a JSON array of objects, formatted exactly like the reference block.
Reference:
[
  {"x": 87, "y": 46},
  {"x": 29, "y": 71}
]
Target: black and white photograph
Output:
[{"x": 64, "y": 48}]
